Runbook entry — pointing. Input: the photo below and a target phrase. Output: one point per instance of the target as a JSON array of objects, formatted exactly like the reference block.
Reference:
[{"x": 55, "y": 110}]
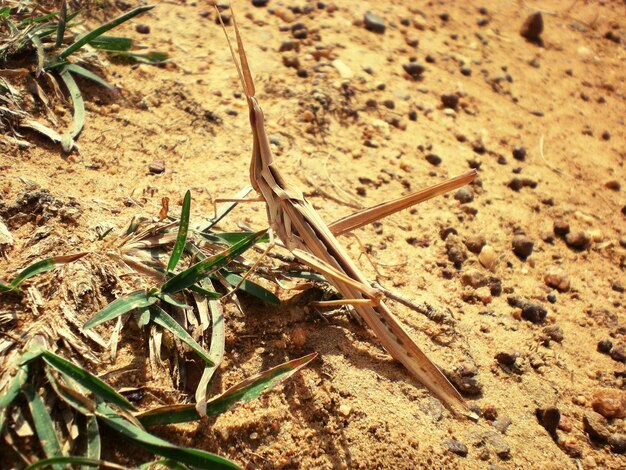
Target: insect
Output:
[{"x": 312, "y": 242}]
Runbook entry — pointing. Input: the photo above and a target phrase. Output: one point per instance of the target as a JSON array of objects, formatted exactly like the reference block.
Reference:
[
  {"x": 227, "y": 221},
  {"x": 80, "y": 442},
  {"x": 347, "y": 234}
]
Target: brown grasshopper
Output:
[{"x": 312, "y": 242}]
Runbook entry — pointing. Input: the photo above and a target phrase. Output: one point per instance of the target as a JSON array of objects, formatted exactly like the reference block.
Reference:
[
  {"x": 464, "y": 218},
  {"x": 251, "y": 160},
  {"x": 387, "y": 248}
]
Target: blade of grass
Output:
[
  {"x": 87, "y": 380},
  {"x": 94, "y": 446},
  {"x": 12, "y": 390},
  {"x": 158, "y": 446},
  {"x": 112, "y": 43},
  {"x": 216, "y": 351},
  {"x": 172, "y": 301},
  {"x": 41, "y": 56},
  {"x": 205, "y": 267},
  {"x": 136, "y": 299},
  {"x": 78, "y": 115},
  {"x": 183, "y": 228},
  {"x": 74, "y": 397},
  {"x": 99, "y": 31},
  {"x": 88, "y": 74},
  {"x": 61, "y": 462},
  {"x": 207, "y": 293},
  {"x": 153, "y": 57},
  {"x": 250, "y": 287},
  {"x": 42, "y": 266},
  {"x": 165, "y": 462},
  {"x": 235, "y": 237},
  {"x": 61, "y": 24},
  {"x": 43, "y": 425},
  {"x": 162, "y": 318},
  {"x": 246, "y": 390},
  {"x": 225, "y": 209},
  {"x": 6, "y": 288},
  {"x": 51, "y": 134}
]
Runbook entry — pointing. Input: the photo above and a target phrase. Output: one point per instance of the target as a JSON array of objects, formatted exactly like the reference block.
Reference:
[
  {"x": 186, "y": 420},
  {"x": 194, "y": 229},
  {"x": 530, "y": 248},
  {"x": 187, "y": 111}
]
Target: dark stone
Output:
[
  {"x": 413, "y": 115},
  {"x": 617, "y": 287},
  {"x": 611, "y": 36},
  {"x": 374, "y": 23},
  {"x": 465, "y": 380},
  {"x": 532, "y": 27},
  {"x": 604, "y": 346},
  {"x": 596, "y": 426},
  {"x": 456, "y": 251},
  {"x": 260, "y": 3},
  {"x": 300, "y": 33},
  {"x": 522, "y": 246},
  {"x": 456, "y": 447},
  {"x": 433, "y": 159},
  {"x": 475, "y": 243},
  {"x": 554, "y": 333},
  {"x": 535, "y": 313},
  {"x": 389, "y": 104},
  {"x": 466, "y": 71},
  {"x": 617, "y": 442},
  {"x": 507, "y": 358},
  {"x": 302, "y": 73},
  {"x": 551, "y": 298},
  {"x": 549, "y": 418},
  {"x": 519, "y": 153},
  {"x": 561, "y": 228},
  {"x": 577, "y": 240},
  {"x": 618, "y": 354},
  {"x": 414, "y": 69},
  {"x": 157, "y": 167},
  {"x": 450, "y": 100},
  {"x": 464, "y": 195},
  {"x": 142, "y": 29}
]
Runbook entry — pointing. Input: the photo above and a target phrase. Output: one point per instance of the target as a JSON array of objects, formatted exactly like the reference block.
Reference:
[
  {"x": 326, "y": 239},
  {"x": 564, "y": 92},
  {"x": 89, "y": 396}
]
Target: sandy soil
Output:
[{"x": 355, "y": 134}]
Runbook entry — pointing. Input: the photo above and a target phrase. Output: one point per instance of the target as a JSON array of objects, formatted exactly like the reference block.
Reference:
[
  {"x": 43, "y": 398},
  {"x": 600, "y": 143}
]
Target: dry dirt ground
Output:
[{"x": 353, "y": 134}]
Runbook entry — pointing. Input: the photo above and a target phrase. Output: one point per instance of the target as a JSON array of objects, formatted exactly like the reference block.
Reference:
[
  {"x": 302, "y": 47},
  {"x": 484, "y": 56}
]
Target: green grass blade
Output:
[
  {"x": 136, "y": 299},
  {"x": 94, "y": 446},
  {"x": 6, "y": 288},
  {"x": 99, "y": 31},
  {"x": 4, "y": 12},
  {"x": 183, "y": 228},
  {"x": 42, "y": 266},
  {"x": 250, "y": 287},
  {"x": 235, "y": 237},
  {"x": 88, "y": 74},
  {"x": 162, "y": 318},
  {"x": 61, "y": 462},
  {"x": 112, "y": 43},
  {"x": 74, "y": 397},
  {"x": 158, "y": 446},
  {"x": 244, "y": 391},
  {"x": 207, "y": 293},
  {"x": 203, "y": 268},
  {"x": 43, "y": 425},
  {"x": 172, "y": 301},
  {"x": 84, "y": 378},
  {"x": 12, "y": 390},
  {"x": 61, "y": 24},
  {"x": 153, "y": 57},
  {"x": 165, "y": 462},
  {"x": 78, "y": 115}
]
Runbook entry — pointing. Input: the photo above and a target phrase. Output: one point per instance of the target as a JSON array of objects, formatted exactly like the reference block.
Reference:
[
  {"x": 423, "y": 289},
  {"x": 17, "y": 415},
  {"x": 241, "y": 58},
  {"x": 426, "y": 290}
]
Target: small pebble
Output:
[
  {"x": 610, "y": 403},
  {"x": 617, "y": 443},
  {"x": 414, "y": 69},
  {"x": 532, "y": 27},
  {"x": 577, "y": 240},
  {"x": 260, "y": 3},
  {"x": 466, "y": 71},
  {"x": 554, "y": 332},
  {"x": 487, "y": 257},
  {"x": 456, "y": 447},
  {"x": 374, "y": 23},
  {"x": 298, "y": 336},
  {"x": 561, "y": 228},
  {"x": 522, "y": 246},
  {"x": 618, "y": 353},
  {"x": 502, "y": 423},
  {"x": 596, "y": 426},
  {"x": 450, "y": 100},
  {"x": 464, "y": 195},
  {"x": 519, "y": 153},
  {"x": 142, "y": 29},
  {"x": 604, "y": 346},
  {"x": 345, "y": 410},
  {"x": 475, "y": 243},
  {"x": 557, "y": 278},
  {"x": 507, "y": 358},
  {"x": 613, "y": 185},
  {"x": 291, "y": 60},
  {"x": 156, "y": 167},
  {"x": 549, "y": 418},
  {"x": 433, "y": 159}
]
